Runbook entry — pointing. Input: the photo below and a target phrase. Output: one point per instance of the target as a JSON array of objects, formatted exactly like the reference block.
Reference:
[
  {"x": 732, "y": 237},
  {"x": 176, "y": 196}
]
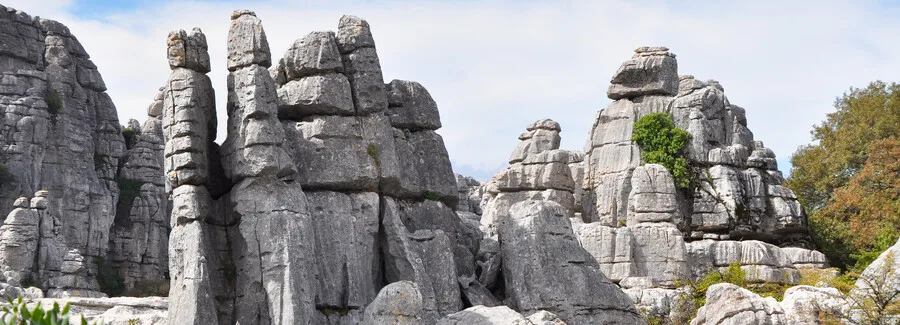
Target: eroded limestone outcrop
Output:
[
  {"x": 188, "y": 122},
  {"x": 738, "y": 189},
  {"x": 729, "y": 304}
]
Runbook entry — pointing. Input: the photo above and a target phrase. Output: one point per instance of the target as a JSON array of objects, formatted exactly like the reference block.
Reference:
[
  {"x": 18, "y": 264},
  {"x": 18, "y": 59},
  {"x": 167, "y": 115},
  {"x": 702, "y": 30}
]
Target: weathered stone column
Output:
[
  {"x": 189, "y": 119},
  {"x": 273, "y": 247}
]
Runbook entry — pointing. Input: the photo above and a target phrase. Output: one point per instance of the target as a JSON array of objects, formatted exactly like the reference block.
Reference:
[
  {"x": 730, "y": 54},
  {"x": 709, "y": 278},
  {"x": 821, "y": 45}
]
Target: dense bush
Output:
[
  {"x": 662, "y": 143},
  {"x": 17, "y": 313}
]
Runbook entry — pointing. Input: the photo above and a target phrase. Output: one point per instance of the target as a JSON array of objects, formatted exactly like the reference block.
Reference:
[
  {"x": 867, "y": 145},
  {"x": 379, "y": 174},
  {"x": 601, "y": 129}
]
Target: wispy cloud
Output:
[{"x": 495, "y": 67}]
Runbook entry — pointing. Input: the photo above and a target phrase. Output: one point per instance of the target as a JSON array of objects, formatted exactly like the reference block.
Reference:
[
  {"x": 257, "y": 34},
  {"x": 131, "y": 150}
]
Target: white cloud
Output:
[{"x": 495, "y": 67}]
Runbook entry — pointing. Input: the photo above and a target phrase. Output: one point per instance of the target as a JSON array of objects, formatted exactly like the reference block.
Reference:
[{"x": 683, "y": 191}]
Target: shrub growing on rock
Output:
[
  {"x": 129, "y": 134},
  {"x": 662, "y": 143}
]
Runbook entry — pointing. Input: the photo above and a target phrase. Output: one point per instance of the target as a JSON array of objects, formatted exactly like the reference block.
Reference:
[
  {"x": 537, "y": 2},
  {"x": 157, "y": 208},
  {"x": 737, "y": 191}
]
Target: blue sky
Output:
[{"x": 494, "y": 67}]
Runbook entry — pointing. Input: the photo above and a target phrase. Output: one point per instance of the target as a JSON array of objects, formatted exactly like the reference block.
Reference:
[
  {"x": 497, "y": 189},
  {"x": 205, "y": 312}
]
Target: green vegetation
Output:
[
  {"x": 130, "y": 136},
  {"x": 662, "y": 143},
  {"x": 109, "y": 279},
  {"x": 54, "y": 102},
  {"x": 849, "y": 178},
  {"x": 17, "y": 313},
  {"x": 372, "y": 150},
  {"x": 431, "y": 196}
]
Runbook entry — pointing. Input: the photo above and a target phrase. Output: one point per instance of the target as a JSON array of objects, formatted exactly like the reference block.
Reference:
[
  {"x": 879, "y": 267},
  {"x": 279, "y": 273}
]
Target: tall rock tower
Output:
[{"x": 330, "y": 184}]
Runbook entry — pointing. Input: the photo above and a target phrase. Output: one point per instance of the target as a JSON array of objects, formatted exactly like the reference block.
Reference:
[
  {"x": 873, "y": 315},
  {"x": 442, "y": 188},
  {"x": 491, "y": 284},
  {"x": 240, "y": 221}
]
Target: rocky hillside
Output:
[
  {"x": 95, "y": 195},
  {"x": 332, "y": 200}
]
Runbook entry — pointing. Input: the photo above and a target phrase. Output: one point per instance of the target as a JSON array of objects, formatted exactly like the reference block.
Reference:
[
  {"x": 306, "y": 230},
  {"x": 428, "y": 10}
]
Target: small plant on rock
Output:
[
  {"x": 130, "y": 136},
  {"x": 431, "y": 196},
  {"x": 662, "y": 143}
]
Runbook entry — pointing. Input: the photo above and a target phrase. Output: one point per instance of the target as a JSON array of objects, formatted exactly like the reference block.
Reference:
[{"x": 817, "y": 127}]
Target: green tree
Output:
[
  {"x": 861, "y": 116},
  {"x": 847, "y": 179},
  {"x": 662, "y": 143}
]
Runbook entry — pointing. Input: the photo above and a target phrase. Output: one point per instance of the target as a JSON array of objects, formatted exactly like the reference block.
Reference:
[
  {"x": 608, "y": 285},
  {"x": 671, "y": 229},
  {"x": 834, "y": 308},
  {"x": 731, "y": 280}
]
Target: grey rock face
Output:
[
  {"x": 347, "y": 256},
  {"x": 762, "y": 262},
  {"x": 274, "y": 228},
  {"x": 314, "y": 54},
  {"x": 881, "y": 275},
  {"x": 247, "y": 43},
  {"x": 140, "y": 233},
  {"x": 421, "y": 256},
  {"x": 652, "y": 71},
  {"x": 729, "y": 304},
  {"x": 74, "y": 279},
  {"x": 469, "y": 192},
  {"x": 321, "y": 94},
  {"x": 481, "y": 315},
  {"x": 60, "y": 130},
  {"x": 637, "y": 222},
  {"x": 537, "y": 239},
  {"x": 366, "y": 81},
  {"x": 339, "y": 152},
  {"x": 275, "y": 232},
  {"x": 353, "y": 33},
  {"x": 188, "y": 120},
  {"x": 188, "y": 50},
  {"x": 398, "y": 303},
  {"x": 33, "y": 253},
  {"x": 410, "y": 106}
]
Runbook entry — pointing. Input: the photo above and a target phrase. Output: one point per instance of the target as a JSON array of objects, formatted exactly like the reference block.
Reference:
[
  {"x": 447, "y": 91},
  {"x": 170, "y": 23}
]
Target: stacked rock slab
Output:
[
  {"x": 273, "y": 241},
  {"x": 139, "y": 238},
  {"x": 649, "y": 245},
  {"x": 33, "y": 252},
  {"x": 738, "y": 187},
  {"x": 375, "y": 173},
  {"x": 637, "y": 222},
  {"x": 188, "y": 127},
  {"x": 470, "y": 191},
  {"x": 729, "y": 304},
  {"x": 60, "y": 130},
  {"x": 536, "y": 239},
  {"x": 538, "y": 170},
  {"x": 527, "y": 209}
]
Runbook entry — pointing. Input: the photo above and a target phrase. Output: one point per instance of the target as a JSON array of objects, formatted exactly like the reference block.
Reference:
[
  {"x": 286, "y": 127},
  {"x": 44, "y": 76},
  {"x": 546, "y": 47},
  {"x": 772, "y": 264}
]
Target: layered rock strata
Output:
[
  {"x": 139, "y": 237},
  {"x": 33, "y": 252},
  {"x": 737, "y": 191},
  {"x": 376, "y": 175},
  {"x": 60, "y": 133},
  {"x": 59, "y": 130},
  {"x": 729, "y": 304},
  {"x": 188, "y": 127}
]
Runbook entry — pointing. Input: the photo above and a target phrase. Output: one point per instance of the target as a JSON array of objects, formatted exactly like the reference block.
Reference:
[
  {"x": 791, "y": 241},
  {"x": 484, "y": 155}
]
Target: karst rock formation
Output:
[{"x": 332, "y": 200}]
